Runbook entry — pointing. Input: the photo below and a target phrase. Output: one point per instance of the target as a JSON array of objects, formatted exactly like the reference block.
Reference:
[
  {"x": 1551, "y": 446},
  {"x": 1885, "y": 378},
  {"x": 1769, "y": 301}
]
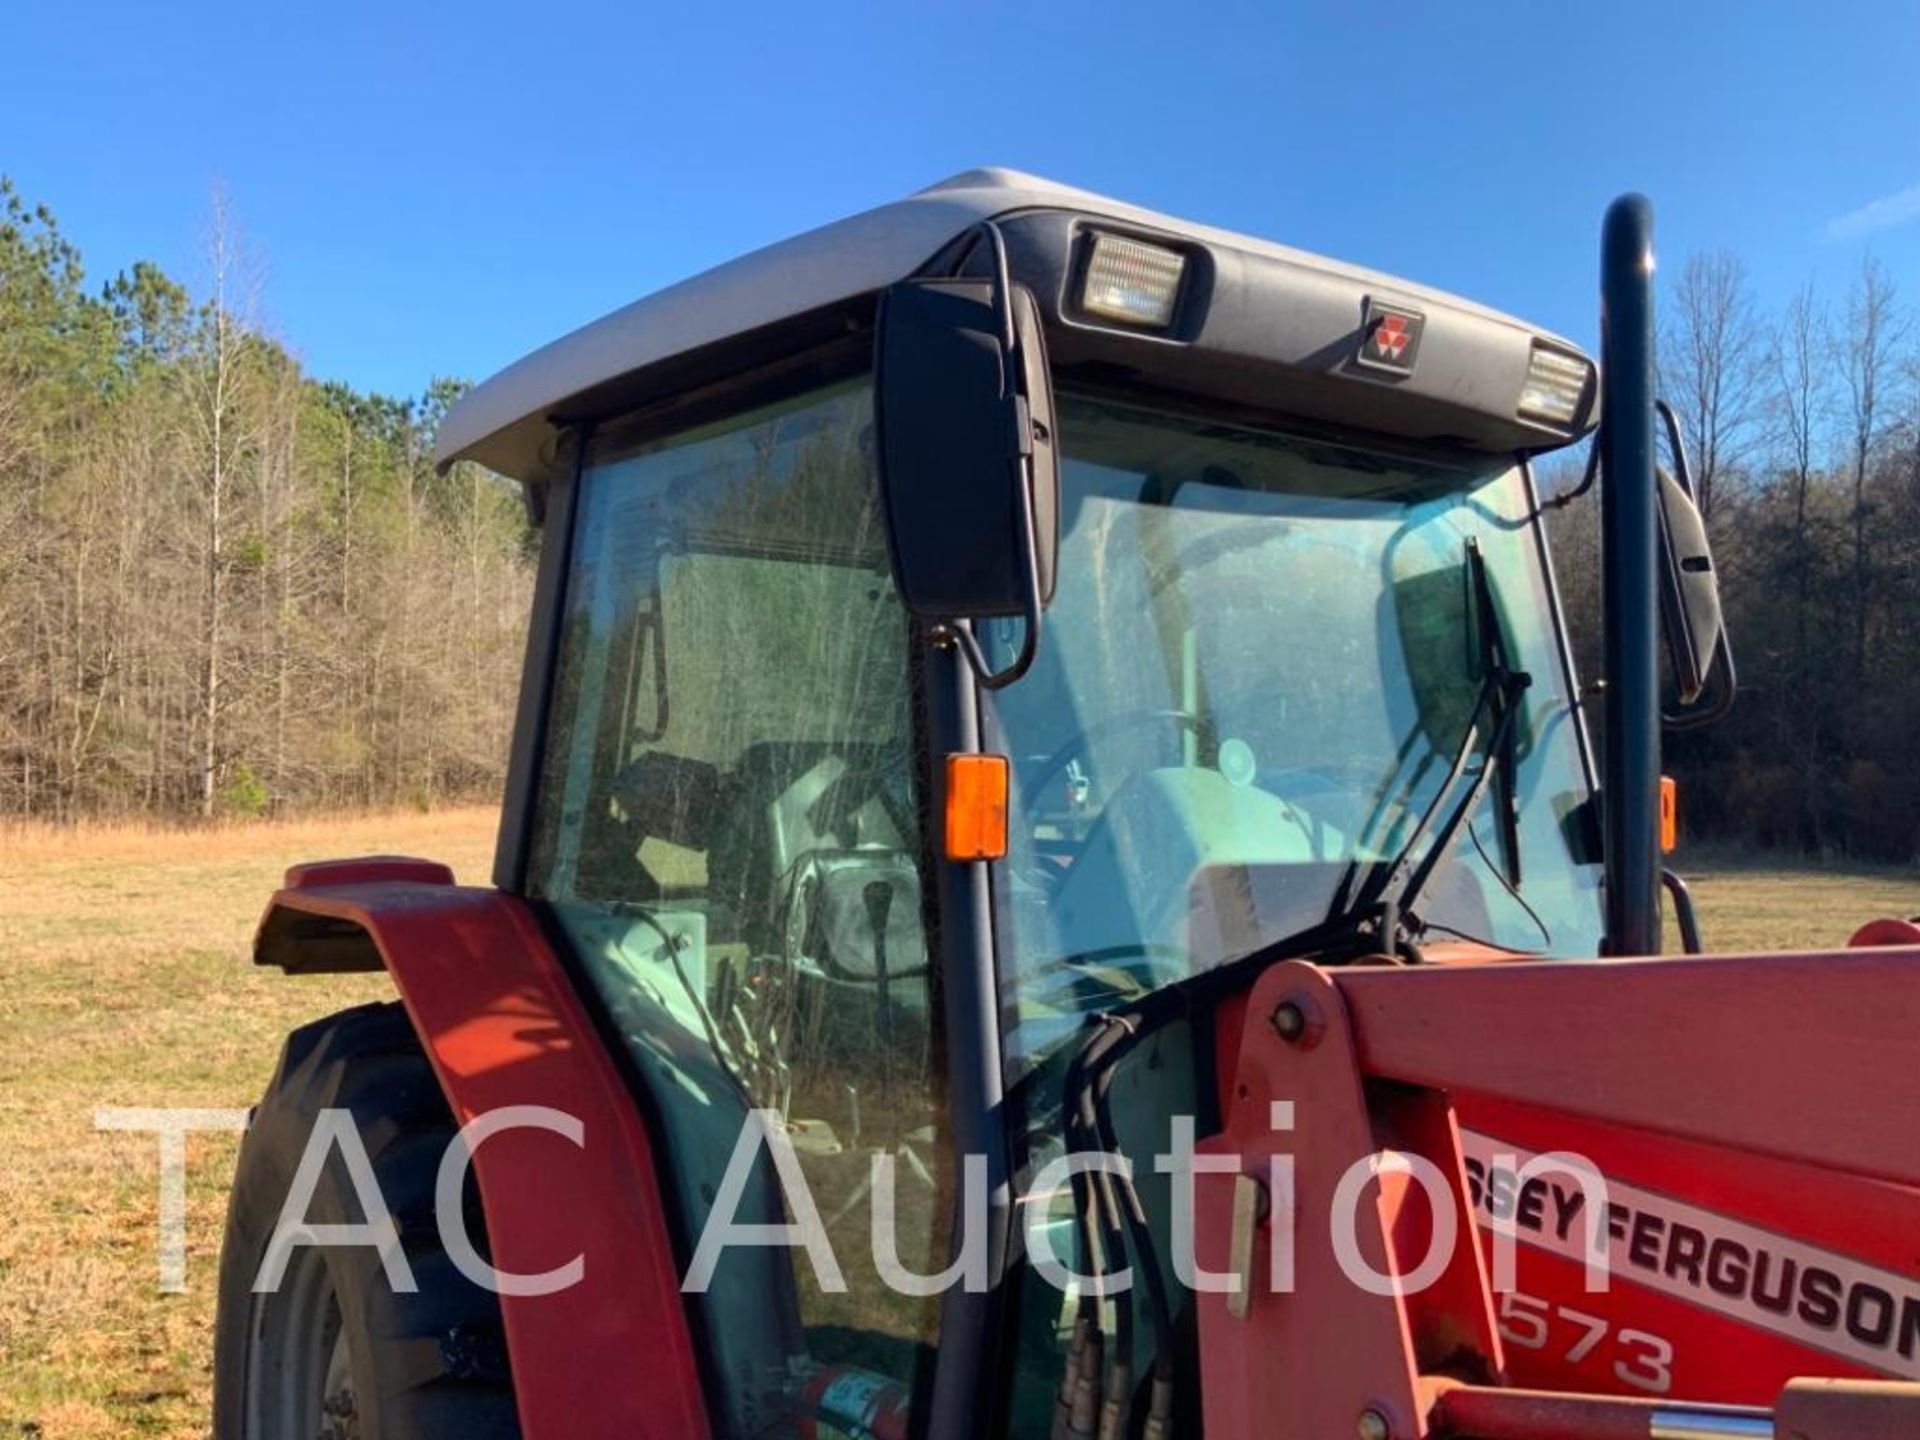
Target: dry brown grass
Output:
[
  {"x": 1756, "y": 903},
  {"x": 126, "y": 982}
]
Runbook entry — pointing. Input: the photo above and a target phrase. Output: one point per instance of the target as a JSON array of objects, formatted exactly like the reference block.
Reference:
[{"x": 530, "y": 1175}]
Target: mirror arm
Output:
[
  {"x": 1684, "y": 915},
  {"x": 1683, "y": 469},
  {"x": 1560, "y": 502},
  {"x": 1021, "y": 460},
  {"x": 1682, "y": 466},
  {"x": 1002, "y": 291},
  {"x": 1698, "y": 717}
]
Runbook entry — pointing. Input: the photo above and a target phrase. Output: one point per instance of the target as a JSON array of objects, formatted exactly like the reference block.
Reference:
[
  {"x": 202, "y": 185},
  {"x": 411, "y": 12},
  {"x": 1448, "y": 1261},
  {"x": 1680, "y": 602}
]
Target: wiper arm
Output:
[
  {"x": 1386, "y": 892},
  {"x": 1504, "y": 755}
]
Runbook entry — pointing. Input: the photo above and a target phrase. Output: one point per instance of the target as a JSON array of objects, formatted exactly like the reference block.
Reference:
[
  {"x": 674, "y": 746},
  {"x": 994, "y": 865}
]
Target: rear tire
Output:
[{"x": 333, "y": 1352}]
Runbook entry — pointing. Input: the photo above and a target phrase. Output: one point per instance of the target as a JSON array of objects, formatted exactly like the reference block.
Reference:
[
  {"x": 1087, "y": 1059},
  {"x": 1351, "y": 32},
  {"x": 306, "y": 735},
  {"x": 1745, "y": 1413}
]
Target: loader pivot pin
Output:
[{"x": 1298, "y": 1021}]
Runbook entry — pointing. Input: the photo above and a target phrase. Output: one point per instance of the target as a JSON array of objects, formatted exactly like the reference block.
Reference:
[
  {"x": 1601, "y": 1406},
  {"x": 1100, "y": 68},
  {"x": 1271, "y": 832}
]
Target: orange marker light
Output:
[
  {"x": 1669, "y": 815},
  {"x": 976, "y": 807}
]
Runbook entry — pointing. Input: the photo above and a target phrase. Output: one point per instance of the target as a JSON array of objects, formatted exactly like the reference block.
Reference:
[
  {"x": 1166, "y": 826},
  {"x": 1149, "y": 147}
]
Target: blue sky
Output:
[{"x": 435, "y": 189}]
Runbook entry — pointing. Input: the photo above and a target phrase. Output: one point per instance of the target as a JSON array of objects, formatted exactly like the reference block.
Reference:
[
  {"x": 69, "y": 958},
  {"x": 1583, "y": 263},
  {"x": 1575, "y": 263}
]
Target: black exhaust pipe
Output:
[{"x": 1630, "y": 780}]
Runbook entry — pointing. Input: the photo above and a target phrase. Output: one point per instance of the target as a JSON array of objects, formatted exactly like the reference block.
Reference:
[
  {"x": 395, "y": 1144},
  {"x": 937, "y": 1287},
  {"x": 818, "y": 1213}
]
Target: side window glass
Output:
[{"x": 728, "y": 832}]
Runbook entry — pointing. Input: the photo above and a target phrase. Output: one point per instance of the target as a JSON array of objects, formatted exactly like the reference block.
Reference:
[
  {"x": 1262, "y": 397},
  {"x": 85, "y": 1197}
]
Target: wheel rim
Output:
[
  {"x": 339, "y": 1408},
  {"x": 299, "y": 1366}
]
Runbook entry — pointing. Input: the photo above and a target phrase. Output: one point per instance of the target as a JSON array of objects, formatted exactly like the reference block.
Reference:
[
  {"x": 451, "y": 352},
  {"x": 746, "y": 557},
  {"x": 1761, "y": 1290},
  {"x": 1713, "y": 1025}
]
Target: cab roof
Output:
[{"x": 507, "y": 424}]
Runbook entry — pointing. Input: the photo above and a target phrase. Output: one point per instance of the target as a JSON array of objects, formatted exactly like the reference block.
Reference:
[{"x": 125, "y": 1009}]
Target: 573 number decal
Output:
[{"x": 1637, "y": 1358}]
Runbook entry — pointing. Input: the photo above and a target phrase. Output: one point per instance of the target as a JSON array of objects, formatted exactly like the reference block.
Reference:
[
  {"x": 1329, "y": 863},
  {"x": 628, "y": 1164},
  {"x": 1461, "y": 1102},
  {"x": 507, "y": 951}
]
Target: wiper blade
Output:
[
  {"x": 1386, "y": 892},
  {"x": 1504, "y": 755}
]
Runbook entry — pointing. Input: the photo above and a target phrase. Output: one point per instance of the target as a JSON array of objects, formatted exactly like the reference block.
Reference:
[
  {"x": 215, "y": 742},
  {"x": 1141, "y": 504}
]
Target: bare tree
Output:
[
  {"x": 213, "y": 380},
  {"x": 1801, "y": 402},
  {"x": 1712, "y": 366},
  {"x": 1866, "y": 351}
]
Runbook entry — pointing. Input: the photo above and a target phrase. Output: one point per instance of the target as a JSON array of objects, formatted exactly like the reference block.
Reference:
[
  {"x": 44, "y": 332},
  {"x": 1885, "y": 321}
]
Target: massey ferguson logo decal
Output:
[
  {"x": 1390, "y": 338},
  {"x": 1814, "y": 1297}
]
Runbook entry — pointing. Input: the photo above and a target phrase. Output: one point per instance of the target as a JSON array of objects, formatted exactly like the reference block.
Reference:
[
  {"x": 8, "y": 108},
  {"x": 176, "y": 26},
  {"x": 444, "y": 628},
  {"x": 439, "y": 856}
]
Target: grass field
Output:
[{"x": 126, "y": 983}]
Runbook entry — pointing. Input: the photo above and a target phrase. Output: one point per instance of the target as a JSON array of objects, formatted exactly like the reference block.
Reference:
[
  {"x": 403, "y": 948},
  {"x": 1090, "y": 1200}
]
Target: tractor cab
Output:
[
  {"x": 1053, "y": 882},
  {"x": 1230, "y": 558}
]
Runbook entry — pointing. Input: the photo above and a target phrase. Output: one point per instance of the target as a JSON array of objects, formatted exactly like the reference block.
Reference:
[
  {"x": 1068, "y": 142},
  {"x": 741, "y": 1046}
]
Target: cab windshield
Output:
[{"x": 1260, "y": 665}]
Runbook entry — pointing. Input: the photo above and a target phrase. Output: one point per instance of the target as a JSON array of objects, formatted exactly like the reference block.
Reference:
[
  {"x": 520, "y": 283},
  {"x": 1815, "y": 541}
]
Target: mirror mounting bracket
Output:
[{"x": 1020, "y": 457}]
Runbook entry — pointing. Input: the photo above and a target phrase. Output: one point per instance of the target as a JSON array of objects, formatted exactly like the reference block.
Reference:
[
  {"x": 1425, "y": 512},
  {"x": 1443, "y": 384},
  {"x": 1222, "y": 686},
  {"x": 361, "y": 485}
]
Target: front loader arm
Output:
[{"x": 1777, "y": 1060}]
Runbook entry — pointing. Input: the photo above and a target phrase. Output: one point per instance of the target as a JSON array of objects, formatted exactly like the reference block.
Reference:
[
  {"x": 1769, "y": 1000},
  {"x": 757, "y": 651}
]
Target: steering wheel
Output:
[{"x": 1036, "y": 784}]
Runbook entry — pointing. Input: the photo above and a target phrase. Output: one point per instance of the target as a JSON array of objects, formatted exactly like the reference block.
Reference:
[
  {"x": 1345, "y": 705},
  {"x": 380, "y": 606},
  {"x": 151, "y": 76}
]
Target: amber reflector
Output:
[
  {"x": 976, "y": 807},
  {"x": 1669, "y": 815}
]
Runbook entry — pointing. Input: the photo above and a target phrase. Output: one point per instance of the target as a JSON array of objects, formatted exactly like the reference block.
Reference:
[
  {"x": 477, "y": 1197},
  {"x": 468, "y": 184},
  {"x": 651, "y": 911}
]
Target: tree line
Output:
[
  {"x": 1803, "y": 431},
  {"x": 225, "y": 585}
]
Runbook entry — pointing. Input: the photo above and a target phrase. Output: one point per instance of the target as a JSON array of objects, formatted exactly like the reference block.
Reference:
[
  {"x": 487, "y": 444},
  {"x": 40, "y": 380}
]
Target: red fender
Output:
[
  {"x": 1885, "y": 932},
  {"x": 611, "y": 1356}
]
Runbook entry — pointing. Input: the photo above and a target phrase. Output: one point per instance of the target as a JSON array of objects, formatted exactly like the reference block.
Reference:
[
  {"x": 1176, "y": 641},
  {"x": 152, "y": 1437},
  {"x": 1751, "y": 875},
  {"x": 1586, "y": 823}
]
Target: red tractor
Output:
[{"x": 1055, "y": 881}]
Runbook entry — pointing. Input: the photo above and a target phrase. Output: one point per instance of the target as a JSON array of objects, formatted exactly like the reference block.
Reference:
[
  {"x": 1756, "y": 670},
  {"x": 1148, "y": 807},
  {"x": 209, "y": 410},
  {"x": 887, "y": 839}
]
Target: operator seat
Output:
[
  {"x": 814, "y": 858},
  {"x": 1183, "y": 858},
  {"x": 1162, "y": 831}
]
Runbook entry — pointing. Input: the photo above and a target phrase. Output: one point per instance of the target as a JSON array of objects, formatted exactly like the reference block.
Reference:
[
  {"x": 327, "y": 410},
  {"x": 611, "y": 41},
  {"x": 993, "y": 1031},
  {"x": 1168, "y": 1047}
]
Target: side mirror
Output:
[
  {"x": 969, "y": 468},
  {"x": 1689, "y": 588}
]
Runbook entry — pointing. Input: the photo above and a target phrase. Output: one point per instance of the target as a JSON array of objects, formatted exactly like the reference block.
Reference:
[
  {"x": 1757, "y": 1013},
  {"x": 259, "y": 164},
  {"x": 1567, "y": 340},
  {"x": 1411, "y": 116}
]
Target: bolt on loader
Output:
[{"x": 1057, "y": 879}]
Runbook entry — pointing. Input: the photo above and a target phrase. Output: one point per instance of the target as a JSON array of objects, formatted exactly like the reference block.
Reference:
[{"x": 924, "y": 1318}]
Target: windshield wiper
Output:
[
  {"x": 1384, "y": 893},
  {"x": 1505, "y": 755}
]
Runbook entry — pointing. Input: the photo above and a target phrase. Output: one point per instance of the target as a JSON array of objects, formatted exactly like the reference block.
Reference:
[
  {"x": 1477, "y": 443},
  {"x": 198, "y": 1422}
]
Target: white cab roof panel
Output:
[{"x": 504, "y": 423}]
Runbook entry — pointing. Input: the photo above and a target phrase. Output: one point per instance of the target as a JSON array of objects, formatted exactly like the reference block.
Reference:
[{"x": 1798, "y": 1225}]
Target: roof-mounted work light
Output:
[
  {"x": 1132, "y": 282},
  {"x": 1556, "y": 387}
]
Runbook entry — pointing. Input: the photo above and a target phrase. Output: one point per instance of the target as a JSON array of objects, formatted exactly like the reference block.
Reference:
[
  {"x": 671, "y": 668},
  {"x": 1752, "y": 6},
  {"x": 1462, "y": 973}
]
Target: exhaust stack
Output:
[{"x": 1630, "y": 779}]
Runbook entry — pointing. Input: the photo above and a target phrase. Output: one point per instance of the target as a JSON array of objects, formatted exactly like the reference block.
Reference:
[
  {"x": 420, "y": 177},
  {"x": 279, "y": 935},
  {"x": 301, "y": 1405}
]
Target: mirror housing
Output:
[
  {"x": 1689, "y": 590},
  {"x": 1689, "y": 587},
  {"x": 965, "y": 445}
]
